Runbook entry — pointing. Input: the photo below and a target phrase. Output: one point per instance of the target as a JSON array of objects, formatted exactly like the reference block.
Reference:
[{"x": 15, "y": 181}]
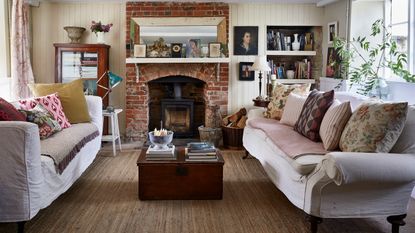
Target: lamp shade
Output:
[
  {"x": 114, "y": 79},
  {"x": 260, "y": 64}
]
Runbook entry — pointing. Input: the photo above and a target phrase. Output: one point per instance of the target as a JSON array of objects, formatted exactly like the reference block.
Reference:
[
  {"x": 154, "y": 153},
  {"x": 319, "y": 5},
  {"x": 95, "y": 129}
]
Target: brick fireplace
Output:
[{"x": 138, "y": 99}]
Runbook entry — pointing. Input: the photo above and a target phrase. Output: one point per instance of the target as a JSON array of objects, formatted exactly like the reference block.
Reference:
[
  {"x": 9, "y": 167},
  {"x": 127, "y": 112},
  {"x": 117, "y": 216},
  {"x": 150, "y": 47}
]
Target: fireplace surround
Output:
[{"x": 138, "y": 99}]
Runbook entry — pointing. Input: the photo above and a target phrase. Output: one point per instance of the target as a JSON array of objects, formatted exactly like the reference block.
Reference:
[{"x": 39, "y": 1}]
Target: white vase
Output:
[
  {"x": 100, "y": 37},
  {"x": 296, "y": 43}
]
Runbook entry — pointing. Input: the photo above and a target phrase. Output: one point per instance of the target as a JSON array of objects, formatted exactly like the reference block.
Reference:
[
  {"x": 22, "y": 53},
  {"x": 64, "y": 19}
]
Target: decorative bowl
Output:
[
  {"x": 74, "y": 33},
  {"x": 161, "y": 142}
]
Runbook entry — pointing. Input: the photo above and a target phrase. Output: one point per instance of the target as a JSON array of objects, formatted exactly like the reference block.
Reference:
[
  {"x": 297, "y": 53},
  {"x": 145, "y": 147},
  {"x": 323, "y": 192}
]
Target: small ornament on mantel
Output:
[{"x": 100, "y": 29}]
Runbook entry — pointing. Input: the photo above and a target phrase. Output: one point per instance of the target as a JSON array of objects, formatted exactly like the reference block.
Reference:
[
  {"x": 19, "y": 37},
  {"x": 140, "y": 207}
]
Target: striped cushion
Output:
[
  {"x": 333, "y": 124},
  {"x": 292, "y": 109}
]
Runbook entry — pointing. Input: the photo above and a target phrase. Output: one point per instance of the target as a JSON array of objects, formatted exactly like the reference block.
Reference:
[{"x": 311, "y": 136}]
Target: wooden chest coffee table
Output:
[{"x": 179, "y": 179}]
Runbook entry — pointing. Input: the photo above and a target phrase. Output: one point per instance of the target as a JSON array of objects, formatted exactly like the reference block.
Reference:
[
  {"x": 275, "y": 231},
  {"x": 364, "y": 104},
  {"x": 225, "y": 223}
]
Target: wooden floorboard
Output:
[{"x": 105, "y": 199}]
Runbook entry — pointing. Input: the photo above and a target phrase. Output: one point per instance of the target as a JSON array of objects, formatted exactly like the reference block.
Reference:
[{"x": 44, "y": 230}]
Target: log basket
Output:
[{"x": 232, "y": 137}]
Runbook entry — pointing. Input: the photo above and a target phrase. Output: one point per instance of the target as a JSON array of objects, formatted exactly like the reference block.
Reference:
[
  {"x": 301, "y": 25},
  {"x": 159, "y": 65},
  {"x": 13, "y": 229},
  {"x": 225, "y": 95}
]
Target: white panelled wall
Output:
[{"x": 241, "y": 93}]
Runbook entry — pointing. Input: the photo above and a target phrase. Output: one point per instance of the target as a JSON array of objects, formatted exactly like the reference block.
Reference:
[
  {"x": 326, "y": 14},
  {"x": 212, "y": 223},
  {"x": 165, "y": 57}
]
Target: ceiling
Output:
[{"x": 229, "y": 1}]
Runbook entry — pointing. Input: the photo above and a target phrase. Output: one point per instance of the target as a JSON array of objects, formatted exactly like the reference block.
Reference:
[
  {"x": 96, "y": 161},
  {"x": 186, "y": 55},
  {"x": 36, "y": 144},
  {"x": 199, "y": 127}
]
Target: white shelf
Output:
[
  {"x": 146, "y": 60},
  {"x": 291, "y": 53},
  {"x": 295, "y": 81}
]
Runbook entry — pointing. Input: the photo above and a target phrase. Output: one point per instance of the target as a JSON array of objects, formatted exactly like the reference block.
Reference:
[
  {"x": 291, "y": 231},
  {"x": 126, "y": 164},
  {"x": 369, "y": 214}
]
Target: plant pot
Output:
[
  {"x": 100, "y": 37},
  {"x": 211, "y": 135},
  {"x": 74, "y": 33}
]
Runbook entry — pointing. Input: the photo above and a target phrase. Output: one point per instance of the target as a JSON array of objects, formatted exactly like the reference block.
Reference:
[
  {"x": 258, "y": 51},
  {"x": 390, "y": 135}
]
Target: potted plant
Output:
[
  {"x": 363, "y": 61},
  {"x": 99, "y": 29}
]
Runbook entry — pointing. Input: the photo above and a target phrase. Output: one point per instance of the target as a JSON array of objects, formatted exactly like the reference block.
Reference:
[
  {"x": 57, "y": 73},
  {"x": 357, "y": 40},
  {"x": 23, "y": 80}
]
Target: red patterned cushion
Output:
[
  {"x": 9, "y": 113},
  {"x": 314, "y": 108},
  {"x": 51, "y": 103}
]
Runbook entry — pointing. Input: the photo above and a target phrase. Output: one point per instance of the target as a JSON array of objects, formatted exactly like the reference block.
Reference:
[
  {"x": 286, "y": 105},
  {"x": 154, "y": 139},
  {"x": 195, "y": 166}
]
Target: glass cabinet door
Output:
[{"x": 82, "y": 65}]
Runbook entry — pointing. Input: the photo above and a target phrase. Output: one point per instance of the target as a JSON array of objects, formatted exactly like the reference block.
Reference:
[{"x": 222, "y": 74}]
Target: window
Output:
[{"x": 397, "y": 17}]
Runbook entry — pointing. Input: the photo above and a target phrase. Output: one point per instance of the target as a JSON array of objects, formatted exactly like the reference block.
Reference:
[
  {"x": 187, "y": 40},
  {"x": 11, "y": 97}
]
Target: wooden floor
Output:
[{"x": 105, "y": 199}]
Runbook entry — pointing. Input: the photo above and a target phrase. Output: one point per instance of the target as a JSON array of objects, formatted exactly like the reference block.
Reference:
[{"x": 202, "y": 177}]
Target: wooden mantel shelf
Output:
[{"x": 147, "y": 60}]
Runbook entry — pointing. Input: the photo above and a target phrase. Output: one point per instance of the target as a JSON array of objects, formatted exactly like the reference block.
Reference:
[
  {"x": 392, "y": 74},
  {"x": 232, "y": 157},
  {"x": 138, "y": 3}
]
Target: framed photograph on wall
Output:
[
  {"x": 333, "y": 63},
  {"x": 214, "y": 49},
  {"x": 245, "y": 40},
  {"x": 332, "y": 32},
  {"x": 193, "y": 48},
  {"x": 245, "y": 72},
  {"x": 140, "y": 50}
]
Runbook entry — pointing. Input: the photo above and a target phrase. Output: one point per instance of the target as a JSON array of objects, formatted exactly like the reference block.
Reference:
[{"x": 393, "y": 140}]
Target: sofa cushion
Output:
[
  {"x": 51, "y": 103},
  {"x": 279, "y": 97},
  {"x": 406, "y": 141},
  {"x": 312, "y": 114},
  {"x": 286, "y": 139},
  {"x": 72, "y": 98},
  {"x": 292, "y": 109},
  {"x": 333, "y": 123},
  {"x": 9, "y": 113},
  {"x": 64, "y": 146},
  {"x": 44, "y": 120},
  {"x": 374, "y": 127}
]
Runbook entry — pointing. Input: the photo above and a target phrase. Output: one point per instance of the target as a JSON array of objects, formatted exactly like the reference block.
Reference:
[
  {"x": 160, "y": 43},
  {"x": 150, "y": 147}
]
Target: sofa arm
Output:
[
  {"x": 20, "y": 169},
  {"x": 348, "y": 167},
  {"x": 95, "y": 110}
]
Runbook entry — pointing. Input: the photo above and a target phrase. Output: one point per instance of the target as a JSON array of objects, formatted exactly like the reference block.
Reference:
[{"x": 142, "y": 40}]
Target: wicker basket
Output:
[{"x": 232, "y": 137}]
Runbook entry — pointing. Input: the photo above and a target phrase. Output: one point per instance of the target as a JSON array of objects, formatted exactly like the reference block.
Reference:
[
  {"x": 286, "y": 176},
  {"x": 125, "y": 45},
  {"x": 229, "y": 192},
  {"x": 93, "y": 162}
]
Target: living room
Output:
[{"x": 207, "y": 116}]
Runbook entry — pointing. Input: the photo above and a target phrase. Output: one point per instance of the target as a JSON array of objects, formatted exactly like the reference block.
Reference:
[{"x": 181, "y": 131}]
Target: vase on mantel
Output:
[{"x": 100, "y": 37}]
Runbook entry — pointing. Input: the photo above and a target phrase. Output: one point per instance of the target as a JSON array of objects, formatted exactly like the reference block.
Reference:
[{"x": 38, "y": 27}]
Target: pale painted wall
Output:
[
  {"x": 241, "y": 93},
  {"x": 337, "y": 11},
  {"x": 48, "y": 22}
]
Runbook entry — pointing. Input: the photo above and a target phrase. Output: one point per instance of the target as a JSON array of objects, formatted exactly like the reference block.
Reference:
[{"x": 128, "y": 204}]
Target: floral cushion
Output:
[
  {"x": 40, "y": 116},
  {"x": 52, "y": 104},
  {"x": 311, "y": 116},
  {"x": 374, "y": 127},
  {"x": 279, "y": 97},
  {"x": 9, "y": 113}
]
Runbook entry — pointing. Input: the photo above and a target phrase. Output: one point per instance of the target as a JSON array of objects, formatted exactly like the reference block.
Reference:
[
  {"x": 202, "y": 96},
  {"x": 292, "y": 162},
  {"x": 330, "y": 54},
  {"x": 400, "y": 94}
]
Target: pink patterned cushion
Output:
[{"x": 51, "y": 103}]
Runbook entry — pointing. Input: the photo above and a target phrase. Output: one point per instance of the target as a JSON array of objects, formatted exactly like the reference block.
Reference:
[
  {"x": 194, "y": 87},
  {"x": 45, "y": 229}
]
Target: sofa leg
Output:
[
  {"x": 396, "y": 222},
  {"x": 314, "y": 221},
  {"x": 20, "y": 227},
  {"x": 247, "y": 155}
]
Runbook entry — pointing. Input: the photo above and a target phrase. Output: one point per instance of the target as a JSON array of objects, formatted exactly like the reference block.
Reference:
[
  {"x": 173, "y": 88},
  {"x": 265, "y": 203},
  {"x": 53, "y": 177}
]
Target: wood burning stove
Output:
[{"x": 177, "y": 115}]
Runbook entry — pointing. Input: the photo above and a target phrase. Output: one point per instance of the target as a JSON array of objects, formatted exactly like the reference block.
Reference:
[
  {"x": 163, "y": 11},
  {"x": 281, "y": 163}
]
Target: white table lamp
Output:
[{"x": 260, "y": 65}]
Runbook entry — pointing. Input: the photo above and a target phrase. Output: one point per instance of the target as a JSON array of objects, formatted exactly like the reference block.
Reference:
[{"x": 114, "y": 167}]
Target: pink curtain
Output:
[{"x": 21, "y": 68}]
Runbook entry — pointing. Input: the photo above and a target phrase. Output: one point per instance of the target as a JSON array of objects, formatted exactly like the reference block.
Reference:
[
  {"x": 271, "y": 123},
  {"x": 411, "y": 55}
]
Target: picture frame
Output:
[
  {"x": 332, "y": 63},
  {"x": 245, "y": 72},
  {"x": 332, "y": 32},
  {"x": 214, "y": 49},
  {"x": 245, "y": 41},
  {"x": 140, "y": 50},
  {"x": 193, "y": 48}
]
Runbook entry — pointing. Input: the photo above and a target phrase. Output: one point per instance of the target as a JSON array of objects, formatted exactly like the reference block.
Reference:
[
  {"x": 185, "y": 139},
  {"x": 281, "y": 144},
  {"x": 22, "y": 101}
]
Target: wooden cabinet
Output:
[{"x": 86, "y": 61}]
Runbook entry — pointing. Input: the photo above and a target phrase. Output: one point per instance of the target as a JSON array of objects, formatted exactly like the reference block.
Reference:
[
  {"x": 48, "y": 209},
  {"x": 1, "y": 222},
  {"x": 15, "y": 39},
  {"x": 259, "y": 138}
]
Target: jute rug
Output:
[{"x": 105, "y": 199}]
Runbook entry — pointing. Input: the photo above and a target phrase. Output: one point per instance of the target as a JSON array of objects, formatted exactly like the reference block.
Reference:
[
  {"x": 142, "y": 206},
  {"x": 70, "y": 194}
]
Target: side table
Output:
[{"x": 115, "y": 135}]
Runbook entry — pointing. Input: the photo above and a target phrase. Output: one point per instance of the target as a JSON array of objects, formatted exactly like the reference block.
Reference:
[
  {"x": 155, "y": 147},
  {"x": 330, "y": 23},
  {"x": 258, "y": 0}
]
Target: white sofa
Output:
[
  {"x": 339, "y": 184},
  {"x": 30, "y": 182}
]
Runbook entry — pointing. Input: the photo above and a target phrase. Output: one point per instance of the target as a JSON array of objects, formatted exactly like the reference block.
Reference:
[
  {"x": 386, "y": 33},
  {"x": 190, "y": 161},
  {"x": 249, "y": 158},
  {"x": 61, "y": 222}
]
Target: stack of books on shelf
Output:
[
  {"x": 153, "y": 153},
  {"x": 201, "y": 151}
]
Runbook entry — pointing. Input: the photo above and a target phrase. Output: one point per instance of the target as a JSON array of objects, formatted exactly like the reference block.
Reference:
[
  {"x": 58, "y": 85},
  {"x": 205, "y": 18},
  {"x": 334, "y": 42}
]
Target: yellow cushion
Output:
[{"x": 72, "y": 98}]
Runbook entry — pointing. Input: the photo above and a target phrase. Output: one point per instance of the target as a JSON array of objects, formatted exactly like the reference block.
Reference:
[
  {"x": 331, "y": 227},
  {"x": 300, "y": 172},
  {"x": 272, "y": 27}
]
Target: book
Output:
[
  {"x": 202, "y": 159},
  {"x": 152, "y": 150},
  {"x": 199, "y": 145}
]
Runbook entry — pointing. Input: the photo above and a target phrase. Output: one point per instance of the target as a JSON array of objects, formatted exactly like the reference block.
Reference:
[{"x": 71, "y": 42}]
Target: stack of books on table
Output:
[
  {"x": 201, "y": 151},
  {"x": 154, "y": 153}
]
